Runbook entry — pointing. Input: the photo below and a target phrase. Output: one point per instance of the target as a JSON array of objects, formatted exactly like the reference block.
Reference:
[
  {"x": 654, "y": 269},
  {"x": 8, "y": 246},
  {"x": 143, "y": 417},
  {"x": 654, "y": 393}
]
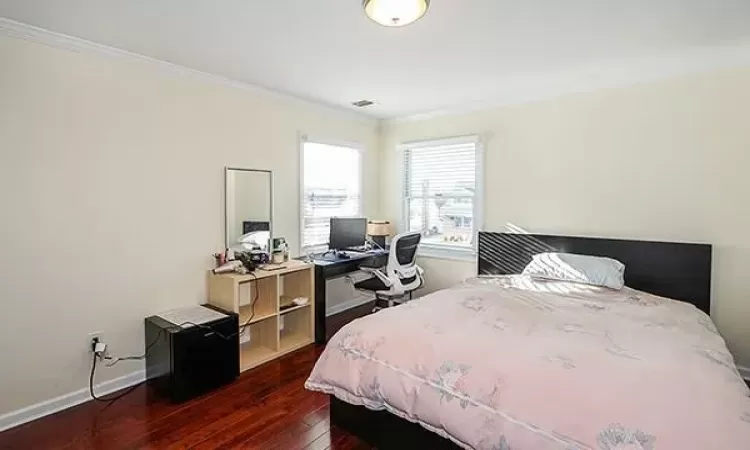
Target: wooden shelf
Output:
[
  {"x": 285, "y": 300},
  {"x": 263, "y": 344},
  {"x": 293, "y": 341},
  {"x": 255, "y": 355},
  {"x": 298, "y": 328},
  {"x": 293, "y": 308},
  {"x": 261, "y": 295},
  {"x": 246, "y": 311},
  {"x": 297, "y": 284},
  {"x": 264, "y": 292}
]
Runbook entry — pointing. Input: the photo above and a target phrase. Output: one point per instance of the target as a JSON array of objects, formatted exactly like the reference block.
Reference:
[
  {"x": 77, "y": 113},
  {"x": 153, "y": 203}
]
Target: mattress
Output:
[{"x": 513, "y": 363}]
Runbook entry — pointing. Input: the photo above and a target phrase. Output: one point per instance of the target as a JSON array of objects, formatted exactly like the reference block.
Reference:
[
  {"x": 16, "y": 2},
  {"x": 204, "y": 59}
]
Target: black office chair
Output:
[{"x": 402, "y": 275}]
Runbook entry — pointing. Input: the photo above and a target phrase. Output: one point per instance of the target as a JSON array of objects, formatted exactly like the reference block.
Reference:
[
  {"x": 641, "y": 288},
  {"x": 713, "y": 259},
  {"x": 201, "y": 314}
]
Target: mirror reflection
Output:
[{"x": 249, "y": 209}]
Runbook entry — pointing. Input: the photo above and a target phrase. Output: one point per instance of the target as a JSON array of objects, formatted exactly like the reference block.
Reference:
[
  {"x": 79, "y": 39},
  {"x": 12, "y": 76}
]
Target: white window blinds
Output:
[
  {"x": 332, "y": 187},
  {"x": 441, "y": 192}
]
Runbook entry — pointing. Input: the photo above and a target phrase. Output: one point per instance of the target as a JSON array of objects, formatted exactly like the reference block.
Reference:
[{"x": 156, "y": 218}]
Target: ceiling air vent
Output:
[{"x": 363, "y": 103}]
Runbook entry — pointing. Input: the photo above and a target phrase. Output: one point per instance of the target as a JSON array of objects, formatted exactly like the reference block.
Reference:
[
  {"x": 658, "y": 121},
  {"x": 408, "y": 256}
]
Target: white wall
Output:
[
  {"x": 111, "y": 185},
  {"x": 248, "y": 199},
  {"x": 106, "y": 166},
  {"x": 664, "y": 161}
]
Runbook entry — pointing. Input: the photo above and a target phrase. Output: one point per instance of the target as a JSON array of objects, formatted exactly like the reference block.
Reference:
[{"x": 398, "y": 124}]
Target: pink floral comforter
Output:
[{"x": 511, "y": 363}]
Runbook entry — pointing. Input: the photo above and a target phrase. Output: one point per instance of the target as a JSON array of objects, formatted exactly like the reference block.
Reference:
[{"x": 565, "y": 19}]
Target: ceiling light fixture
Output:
[{"x": 395, "y": 13}]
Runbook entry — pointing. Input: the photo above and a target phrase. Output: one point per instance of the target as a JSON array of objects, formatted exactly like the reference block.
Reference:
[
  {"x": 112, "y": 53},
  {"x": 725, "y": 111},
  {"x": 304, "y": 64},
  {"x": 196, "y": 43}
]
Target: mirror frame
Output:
[{"x": 226, "y": 202}]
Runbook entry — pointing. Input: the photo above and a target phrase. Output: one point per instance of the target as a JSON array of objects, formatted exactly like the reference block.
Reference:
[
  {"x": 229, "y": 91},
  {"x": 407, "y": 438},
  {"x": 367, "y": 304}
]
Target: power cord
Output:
[
  {"x": 252, "y": 306},
  {"x": 134, "y": 358},
  {"x": 107, "y": 399},
  {"x": 114, "y": 361}
]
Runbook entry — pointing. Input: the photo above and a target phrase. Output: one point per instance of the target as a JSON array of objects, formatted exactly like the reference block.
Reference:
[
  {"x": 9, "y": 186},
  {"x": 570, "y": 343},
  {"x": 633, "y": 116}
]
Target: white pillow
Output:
[{"x": 593, "y": 270}]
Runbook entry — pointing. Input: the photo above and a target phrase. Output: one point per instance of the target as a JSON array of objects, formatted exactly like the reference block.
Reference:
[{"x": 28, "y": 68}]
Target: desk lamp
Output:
[{"x": 378, "y": 230}]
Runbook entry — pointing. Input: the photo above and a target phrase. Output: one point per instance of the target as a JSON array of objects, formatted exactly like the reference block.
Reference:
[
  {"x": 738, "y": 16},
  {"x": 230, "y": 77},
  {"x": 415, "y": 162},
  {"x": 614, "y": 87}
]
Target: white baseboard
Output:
[
  {"x": 744, "y": 372},
  {"x": 45, "y": 408}
]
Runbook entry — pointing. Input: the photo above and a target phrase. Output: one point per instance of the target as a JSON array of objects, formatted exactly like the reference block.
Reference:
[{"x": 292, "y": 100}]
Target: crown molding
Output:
[
  {"x": 19, "y": 30},
  {"x": 535, "y": 87},
  {"x": 519, "y": 89}
]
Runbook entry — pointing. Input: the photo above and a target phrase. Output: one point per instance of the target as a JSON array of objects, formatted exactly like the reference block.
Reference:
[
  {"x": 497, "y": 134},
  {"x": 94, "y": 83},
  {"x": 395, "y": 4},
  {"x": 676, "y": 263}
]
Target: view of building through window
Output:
[
  {"x": 331, "y": 188},
  {"x": 440, "y": 192}
]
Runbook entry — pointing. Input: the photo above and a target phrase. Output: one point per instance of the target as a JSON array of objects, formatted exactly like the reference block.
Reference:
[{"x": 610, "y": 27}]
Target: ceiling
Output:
[{"x": 327, "y": 51}]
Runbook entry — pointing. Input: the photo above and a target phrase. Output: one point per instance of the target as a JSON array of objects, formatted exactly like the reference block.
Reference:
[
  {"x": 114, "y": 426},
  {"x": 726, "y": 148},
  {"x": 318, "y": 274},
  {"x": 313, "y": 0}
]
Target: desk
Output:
[{"x": 330, "y": 276}]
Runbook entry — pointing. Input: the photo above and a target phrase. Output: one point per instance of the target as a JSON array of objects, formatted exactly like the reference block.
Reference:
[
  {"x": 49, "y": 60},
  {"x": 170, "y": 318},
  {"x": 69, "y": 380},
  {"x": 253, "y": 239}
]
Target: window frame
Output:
[
  {"x": 305, "y": 139},
  {"x": 447, "y": 251}
]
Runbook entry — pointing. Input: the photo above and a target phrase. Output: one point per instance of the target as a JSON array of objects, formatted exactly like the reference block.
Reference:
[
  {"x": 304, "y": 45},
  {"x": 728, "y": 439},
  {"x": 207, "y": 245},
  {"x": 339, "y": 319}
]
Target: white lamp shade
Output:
[
  {"x": 395, "y": 13},
  {"x": 379, "y": 228}
]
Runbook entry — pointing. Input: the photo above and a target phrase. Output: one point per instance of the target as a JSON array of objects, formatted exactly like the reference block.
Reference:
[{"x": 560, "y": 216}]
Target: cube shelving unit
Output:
[{"x": 264, "y": 300}]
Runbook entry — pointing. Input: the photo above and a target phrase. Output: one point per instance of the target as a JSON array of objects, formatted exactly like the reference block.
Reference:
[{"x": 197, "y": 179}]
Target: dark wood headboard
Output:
[{"x": 679, "y": 271}]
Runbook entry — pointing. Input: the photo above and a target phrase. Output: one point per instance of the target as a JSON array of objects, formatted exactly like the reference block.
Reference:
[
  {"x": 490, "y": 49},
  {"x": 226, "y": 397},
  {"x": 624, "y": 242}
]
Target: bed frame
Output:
[{"x": 680, "y": 271}]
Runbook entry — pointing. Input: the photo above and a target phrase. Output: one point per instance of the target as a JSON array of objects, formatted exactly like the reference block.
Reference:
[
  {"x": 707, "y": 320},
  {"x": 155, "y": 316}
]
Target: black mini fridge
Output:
[{"x": 191, "y": 351}]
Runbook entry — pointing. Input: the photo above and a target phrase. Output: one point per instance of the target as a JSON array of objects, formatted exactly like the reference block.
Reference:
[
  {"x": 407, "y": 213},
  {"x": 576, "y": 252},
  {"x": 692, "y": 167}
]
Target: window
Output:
[
  {"x": 331, "y": 187},
  {"x": 443, "y": 194}
]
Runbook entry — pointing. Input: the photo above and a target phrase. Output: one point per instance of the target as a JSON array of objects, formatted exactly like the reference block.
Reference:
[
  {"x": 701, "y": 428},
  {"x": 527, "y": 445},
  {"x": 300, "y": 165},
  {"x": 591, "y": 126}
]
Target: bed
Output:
[{"x": 503, "y": 361}]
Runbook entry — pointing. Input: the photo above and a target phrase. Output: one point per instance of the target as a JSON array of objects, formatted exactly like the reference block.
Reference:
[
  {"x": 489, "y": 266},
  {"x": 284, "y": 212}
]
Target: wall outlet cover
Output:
[{"x": 93, "y": 335}]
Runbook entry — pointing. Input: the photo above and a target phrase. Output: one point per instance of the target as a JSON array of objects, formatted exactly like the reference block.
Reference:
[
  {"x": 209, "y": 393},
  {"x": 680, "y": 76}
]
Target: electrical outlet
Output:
[{"x": 94, "y": 335}]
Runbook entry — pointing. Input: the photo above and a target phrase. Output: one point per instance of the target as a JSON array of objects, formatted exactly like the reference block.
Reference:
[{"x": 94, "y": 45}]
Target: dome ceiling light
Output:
[{"x": 395, "y": 13}]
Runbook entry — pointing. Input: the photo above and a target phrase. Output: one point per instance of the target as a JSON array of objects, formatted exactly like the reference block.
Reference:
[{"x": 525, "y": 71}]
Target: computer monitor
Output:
[
  {"x": 347, "y": 233},
  {"x": 248, "y": 226}
]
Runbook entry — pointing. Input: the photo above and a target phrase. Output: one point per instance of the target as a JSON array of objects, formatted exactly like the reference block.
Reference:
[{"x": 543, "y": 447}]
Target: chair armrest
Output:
[
  {"x": 379, "y": 274},
  {"x": 420, "y": 274}
]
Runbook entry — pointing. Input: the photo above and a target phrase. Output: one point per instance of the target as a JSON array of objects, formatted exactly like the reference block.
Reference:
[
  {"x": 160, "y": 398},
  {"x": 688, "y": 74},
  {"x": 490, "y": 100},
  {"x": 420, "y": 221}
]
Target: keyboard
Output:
[
  {"x": 332, "y": 257},
  {"x": 327, "y": 257}
]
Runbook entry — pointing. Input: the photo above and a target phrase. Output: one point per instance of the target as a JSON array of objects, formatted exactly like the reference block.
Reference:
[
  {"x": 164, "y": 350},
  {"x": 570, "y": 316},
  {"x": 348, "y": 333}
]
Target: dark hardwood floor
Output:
[{"x": 266, "y": 408}]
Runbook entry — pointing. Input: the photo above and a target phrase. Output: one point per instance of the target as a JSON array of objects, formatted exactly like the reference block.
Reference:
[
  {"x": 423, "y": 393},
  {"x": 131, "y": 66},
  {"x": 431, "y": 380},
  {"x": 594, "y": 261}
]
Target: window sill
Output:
[{"x": 452, "y": 254}]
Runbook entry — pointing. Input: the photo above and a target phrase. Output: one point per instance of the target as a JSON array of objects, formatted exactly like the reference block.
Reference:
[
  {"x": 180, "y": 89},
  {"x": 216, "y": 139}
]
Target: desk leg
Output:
[{"x": 320, "y": 307}]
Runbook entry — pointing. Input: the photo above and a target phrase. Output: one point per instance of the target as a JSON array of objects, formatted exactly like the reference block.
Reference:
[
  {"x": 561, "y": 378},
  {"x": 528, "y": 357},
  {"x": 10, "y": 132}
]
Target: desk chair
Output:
[{"x": 402, "y": 275}]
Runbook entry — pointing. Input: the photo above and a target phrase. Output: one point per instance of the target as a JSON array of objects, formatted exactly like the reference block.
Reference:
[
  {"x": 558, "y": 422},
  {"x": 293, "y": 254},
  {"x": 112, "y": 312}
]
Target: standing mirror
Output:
[{"x": 249, "y": 209}]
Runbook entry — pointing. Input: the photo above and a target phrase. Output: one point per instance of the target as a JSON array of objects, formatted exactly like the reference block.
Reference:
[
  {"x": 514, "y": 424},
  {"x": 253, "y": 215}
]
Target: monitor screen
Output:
[
  {"x": 347, "y": 233},
  {"x": 249, "y": 226}
]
